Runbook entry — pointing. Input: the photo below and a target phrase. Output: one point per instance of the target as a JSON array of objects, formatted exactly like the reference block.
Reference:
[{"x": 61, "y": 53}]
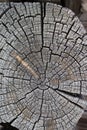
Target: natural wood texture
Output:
[
  {"x": 52, "y": 41},
  {"x": 25, "y": 64}
]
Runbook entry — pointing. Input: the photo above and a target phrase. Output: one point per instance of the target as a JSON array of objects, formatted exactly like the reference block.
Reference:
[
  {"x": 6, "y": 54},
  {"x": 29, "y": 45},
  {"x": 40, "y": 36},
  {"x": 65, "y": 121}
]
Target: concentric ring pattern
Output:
[{"x": 43, "y": 66}]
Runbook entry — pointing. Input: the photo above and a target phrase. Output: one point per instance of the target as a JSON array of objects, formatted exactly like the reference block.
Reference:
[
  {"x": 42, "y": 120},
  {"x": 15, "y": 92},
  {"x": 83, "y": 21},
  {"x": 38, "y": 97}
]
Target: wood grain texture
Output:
[{"x": 55, "y": 41}]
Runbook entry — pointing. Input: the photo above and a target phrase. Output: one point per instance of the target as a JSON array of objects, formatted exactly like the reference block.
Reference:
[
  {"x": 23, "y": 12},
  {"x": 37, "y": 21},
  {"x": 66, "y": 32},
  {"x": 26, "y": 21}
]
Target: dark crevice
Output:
[
  {"x": 6, "y": 28},
  {"x": 7, "y": 126},
  {"x": 12, "y": 77},
  {"x": 70, "y": 29},
  {"x": 76, "y": 104},
  {"x": 44, "y": 10},
  {"x": 76, "y": 95},
  {"x": 17, "y": 116},
  {"x": 1, "y": 49},
  {"x": 53, "y": 33},
  {"x": 4, "y": 12},
  {"x": 24, "y": 33},
  {"x": 12, "y": 47}
]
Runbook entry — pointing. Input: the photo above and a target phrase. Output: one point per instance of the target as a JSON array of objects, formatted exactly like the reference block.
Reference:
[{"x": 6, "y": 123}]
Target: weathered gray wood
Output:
[{"x": 53, "y": 42}]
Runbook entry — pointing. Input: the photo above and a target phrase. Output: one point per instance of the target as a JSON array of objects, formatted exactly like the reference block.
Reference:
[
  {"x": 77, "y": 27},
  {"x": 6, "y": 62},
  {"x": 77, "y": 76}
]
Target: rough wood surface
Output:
[{"x": 52, "y": 40}]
